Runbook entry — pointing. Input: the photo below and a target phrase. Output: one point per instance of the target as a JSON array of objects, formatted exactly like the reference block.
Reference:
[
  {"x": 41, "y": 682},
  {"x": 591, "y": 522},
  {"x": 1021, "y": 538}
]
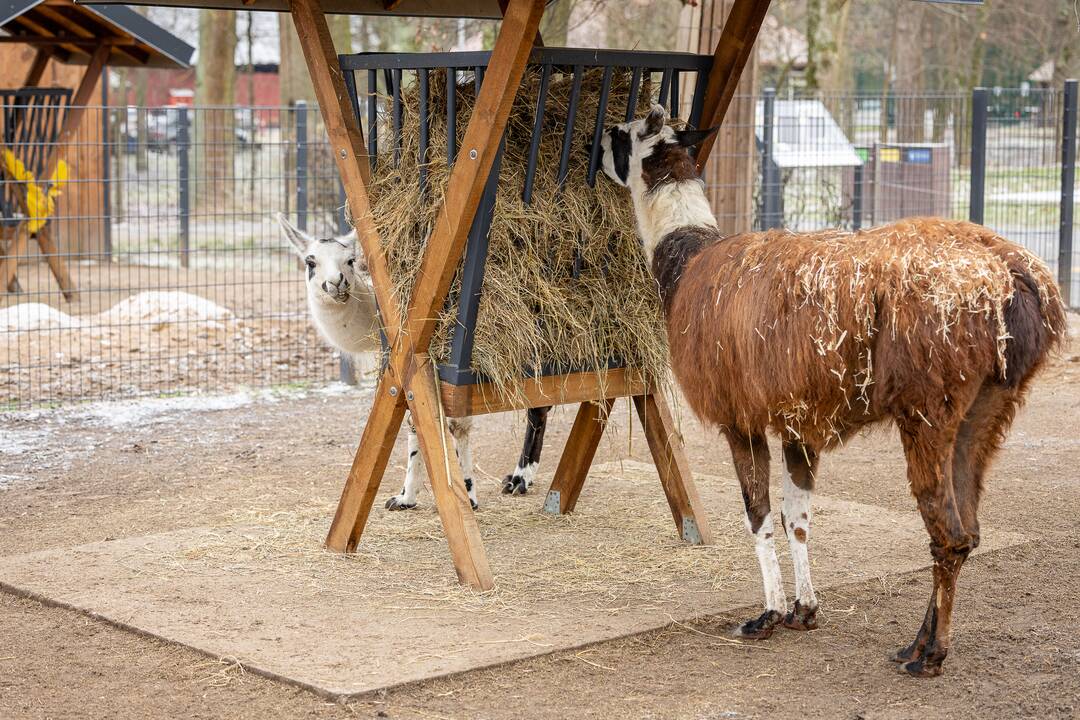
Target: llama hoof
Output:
[
  {"x": 514, "y": 485},
  {"x": 398, "y": 503},
  {"x": 906, "y": 654},
  {"x": 923, "y": 667},
  {"x": 761, "y": 627},
  {"x": 801, "y": 617}
]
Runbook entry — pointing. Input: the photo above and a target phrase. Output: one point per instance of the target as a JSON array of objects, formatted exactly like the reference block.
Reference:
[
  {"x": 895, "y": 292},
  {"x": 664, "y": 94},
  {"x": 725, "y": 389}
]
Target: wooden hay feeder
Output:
[
  {"x": 410, "y": 380},
  {"x": 630, "y": 79}
]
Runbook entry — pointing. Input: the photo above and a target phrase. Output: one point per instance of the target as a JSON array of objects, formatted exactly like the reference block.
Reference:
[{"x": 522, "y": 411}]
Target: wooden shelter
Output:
[
  {"x": 91, "y": 36},
  {"x": 410, "y": 380}
]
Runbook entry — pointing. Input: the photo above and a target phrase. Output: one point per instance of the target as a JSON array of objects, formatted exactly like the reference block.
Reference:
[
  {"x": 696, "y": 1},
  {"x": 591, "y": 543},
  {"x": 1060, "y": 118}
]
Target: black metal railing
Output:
[{"x": 31, "y": 120}]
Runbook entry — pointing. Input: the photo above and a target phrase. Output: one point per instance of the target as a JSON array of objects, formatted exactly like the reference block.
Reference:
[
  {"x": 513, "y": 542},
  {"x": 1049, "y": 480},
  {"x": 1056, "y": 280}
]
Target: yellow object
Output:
[
  {"x": 40, "y": 204},
  {"x": 889, "y": 155}
]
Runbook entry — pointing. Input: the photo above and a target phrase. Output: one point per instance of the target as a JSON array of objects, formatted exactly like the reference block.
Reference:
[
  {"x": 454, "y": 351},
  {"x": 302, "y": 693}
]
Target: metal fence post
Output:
[
  {"x": 106, "y": 172},
  {"x": 770, "y": 191},
  {"x": 1068, "y": 190},
  {"x": 977, "y": 200},
  {"x": 301, "y": 165},
  {"x": 183, "y": 150},
  {"x": 856, "y": 197}
]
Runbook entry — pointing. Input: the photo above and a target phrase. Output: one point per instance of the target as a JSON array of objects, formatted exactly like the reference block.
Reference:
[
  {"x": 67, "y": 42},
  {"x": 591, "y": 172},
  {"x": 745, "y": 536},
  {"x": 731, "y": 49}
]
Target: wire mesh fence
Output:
[
  {"x": 179, "y": 279},
  {"x": 143, "y": 258}
]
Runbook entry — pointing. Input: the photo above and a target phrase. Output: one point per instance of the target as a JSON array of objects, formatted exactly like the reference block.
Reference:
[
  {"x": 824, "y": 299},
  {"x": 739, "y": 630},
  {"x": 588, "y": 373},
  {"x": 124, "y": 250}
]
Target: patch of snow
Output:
[
  {"x": 6, "y": 480},
  {"x": 36, "y": 316},
  {"x": 158, "y": 306},
  {"x": 149, "y": 411},
  {"x": 151, "y": 307},
  {"x": 16, "y": 441}
]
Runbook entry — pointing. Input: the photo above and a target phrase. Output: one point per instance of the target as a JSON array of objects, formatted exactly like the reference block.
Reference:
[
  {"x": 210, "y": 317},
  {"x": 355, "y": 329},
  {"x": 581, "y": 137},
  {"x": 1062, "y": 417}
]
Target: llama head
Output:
[
  {"x": 333, "y": 264},
  {"x": 649, "y": 150}
]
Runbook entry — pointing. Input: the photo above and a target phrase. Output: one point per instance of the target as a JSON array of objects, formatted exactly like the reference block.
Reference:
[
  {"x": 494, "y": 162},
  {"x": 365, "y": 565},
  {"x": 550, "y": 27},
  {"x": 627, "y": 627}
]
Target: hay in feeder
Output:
[{"x": 535, "y": 311}]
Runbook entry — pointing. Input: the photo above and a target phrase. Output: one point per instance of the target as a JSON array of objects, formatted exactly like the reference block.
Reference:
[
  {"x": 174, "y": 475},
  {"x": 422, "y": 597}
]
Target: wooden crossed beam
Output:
[
  {"x": 410, "y": 377},
  {"x": 9, "y": 262}
]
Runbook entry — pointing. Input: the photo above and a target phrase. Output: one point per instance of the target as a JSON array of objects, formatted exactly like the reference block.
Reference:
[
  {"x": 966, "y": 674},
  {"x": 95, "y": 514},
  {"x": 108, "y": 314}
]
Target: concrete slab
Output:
[{"x": 263, "y": 592}]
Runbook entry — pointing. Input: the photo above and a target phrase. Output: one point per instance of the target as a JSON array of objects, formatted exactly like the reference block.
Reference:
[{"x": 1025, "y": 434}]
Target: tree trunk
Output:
[
  {"x": 909, "y": 80},
  {"x": 215, "y": 82},
  {"x": 294, "y": 83},
  {"x": 555, "y": 24},
  {"x": 814, "y": 45}
]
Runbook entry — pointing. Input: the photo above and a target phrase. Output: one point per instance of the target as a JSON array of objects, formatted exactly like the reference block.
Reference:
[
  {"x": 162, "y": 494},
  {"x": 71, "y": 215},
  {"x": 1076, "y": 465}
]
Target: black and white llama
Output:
[
  {"x": 855, "y": 335},
  {"x": 343, "y": 308}
]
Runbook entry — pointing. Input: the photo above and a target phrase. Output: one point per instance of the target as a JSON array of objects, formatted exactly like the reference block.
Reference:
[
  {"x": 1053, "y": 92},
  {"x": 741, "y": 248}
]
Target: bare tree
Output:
[{"x": 215, "y": 82}]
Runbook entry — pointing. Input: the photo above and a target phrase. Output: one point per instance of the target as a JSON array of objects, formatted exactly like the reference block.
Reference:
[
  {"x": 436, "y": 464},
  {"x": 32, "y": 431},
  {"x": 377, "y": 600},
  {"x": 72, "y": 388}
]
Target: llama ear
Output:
[
  {"x": 296, "y": 237},
  {"x": 654, "y": 121},
  {"x": 690, "y": 138}
]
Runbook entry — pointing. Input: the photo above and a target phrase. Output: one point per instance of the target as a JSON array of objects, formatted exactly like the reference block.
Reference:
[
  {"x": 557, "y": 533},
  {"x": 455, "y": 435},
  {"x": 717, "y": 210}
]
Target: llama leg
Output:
[
  {"x": 800, "y": 470},
  {"x": 519, "y": 481},
  {"x": 414, "y": 474},
  {"x": 978, "y": 440},
  {"x": 929, "y": 454},
  {"x": 460, "y": 429},
  {"x": 751, "y": 456}
]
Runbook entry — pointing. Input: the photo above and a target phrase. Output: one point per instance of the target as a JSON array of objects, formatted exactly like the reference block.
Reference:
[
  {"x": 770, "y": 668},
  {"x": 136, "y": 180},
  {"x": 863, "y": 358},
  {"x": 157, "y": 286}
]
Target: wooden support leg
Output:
[
  {"x": 368, "y": 467},
  {"x": 674, "y": 470},
  {"x": 9, "y": 264},
  {"x": 577, "y": 456},
  {"x": 447, "y": 485},
  {"x": 56, "y": 263}
]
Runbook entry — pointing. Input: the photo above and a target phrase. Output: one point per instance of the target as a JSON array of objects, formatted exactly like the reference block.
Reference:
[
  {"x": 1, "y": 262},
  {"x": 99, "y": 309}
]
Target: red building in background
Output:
[{"x": 177, "y": 87}]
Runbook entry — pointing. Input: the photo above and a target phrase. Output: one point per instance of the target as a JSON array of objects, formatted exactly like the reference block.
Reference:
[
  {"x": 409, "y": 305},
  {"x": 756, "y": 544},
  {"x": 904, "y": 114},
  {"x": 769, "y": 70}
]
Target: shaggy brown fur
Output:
[
  {"x": 936, "y": 325},
  {"x": 901, "y": 322}
]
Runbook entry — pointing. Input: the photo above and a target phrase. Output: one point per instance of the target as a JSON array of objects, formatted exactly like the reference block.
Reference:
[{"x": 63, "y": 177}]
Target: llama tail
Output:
[{"x": 1034, "y": 318}]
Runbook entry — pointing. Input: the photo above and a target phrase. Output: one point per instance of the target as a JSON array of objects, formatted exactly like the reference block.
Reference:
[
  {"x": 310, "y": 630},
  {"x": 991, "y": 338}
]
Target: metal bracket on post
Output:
[
  {"x": 1068, "y": 191},
  {"x": 690, "y": 532},
  {"x": 979, "y": 99},
  {"x": 552, "y": 502}
]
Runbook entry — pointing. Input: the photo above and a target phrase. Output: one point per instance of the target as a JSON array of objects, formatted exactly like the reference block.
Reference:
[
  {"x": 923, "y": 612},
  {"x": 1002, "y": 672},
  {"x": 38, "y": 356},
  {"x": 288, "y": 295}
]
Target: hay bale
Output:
[{"x": 533, "y": 312}]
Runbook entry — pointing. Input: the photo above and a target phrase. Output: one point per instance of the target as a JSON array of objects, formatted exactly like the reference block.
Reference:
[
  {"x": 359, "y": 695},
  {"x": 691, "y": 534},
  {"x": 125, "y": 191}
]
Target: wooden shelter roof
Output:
[
  {"x": 70, "y": 33},
  {"x": 417, "y": 8}
]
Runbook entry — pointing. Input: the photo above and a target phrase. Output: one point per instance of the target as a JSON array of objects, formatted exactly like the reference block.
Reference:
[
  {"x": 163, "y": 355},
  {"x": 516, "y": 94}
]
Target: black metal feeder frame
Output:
[{"x": 675, "y": 71}]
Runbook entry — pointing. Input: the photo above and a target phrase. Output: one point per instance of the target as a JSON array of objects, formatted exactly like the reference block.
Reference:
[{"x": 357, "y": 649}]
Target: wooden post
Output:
[
  {"x": 577, "y": 457},
  {"x": 673, "y": 468},
  {"x": 729, "y": 178},
  {"x": 37, "y": 68},
  {"x": 444, "y": 474},
  {"x": 732, "y": 51},
  {"x": 408, "y": 360}
]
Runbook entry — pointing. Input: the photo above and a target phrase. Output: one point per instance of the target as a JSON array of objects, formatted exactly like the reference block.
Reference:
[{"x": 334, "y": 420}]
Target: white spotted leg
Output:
[
  {"x": 414, "y": 473},
  {"x": 460, "y": 429},
  {"x": 800, "y": 470},
  {"x": 751, "y": 456}
]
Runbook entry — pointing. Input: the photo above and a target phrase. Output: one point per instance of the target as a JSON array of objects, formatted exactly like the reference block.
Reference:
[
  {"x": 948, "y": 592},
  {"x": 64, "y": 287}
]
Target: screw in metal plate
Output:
[
  {"x": 472, "y": 154},
  {"x": 409, "y": 396},
  {"x": 393, "y": 391},
  {"x": 343, "y": 153}
]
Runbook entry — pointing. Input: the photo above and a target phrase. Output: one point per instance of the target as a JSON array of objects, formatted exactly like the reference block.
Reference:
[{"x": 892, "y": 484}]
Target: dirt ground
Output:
[
  {"x": 112, "y": 356},
  {"x": 74, "y": 476}
]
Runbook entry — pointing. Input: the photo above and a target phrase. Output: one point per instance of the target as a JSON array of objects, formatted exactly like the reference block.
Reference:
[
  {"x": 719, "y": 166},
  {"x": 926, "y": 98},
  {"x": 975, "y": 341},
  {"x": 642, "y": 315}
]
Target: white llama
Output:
[{"x": 342, "y": 304}]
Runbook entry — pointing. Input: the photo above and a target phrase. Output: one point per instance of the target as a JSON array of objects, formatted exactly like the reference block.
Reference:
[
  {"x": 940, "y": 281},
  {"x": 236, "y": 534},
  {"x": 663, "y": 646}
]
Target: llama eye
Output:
[
  {"x": 351, "y": 261},
  {"x": 310, "y": 262}
]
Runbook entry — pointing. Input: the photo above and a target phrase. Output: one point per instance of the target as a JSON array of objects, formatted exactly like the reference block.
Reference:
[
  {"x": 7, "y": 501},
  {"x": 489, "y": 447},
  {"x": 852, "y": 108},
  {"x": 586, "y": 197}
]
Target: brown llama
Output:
[{"x": 935, "y": 325}]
